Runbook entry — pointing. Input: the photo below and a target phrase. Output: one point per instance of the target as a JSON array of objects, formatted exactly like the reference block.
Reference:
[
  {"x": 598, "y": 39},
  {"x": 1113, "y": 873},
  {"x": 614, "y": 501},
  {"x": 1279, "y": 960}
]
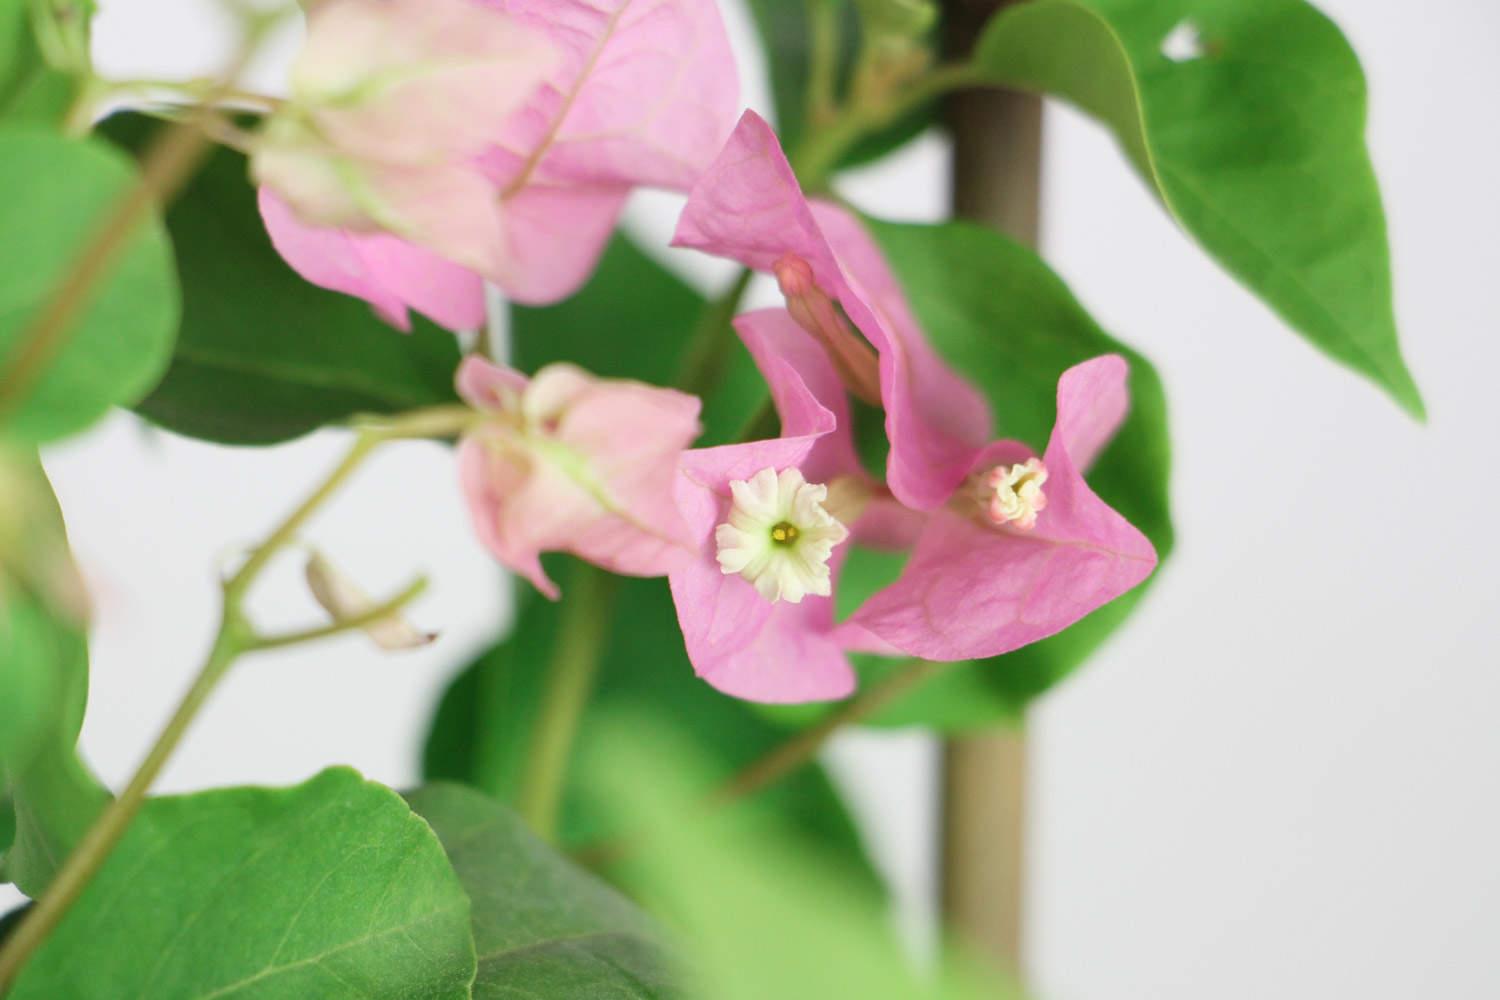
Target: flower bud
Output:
[
  {"x": 343, "y": 599},
  {"x": 568, "y": 462}
]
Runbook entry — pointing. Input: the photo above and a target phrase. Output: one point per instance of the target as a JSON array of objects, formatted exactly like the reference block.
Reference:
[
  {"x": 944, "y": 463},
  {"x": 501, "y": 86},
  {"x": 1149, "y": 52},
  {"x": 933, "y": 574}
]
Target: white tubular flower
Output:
[
  {"x": 1012, "y": 494},
  {"x": 779, "y": 535}
]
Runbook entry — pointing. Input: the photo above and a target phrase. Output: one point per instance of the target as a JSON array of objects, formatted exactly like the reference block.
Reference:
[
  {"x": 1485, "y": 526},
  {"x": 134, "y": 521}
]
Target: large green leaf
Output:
[
  {"x": 332, "y": 889},
  {"x": 635, "y": 319},
  {"x": 1255, "y": 144},
  {"x": 761, "y": 913},
  {"x": 265, "y": 356},
  {"x": 483, "y": 726},
  {"x": 543, "y": 928},
  {"x": 57, "y": 191},
  {"x": 997, "y": 313}
]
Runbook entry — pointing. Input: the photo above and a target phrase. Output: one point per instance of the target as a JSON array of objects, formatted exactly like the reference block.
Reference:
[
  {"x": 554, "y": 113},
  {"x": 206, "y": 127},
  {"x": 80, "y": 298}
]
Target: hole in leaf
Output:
[{"x": 1183, "y": 43}]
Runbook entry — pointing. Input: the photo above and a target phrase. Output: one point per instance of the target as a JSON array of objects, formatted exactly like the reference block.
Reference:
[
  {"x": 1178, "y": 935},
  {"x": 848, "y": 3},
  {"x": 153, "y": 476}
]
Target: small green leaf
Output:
[
  {"x": 265, "y": 356},
  {"x": 1248, "y": 118},
  {"x": 57, "y": 192},
  {"x": 331, "y": 889},
  {"x": 543, "y": 928},
  {"x": 635, "y": 319},
  {"x": 997, "y": 313},
  {"x": 483, "y": 725}
]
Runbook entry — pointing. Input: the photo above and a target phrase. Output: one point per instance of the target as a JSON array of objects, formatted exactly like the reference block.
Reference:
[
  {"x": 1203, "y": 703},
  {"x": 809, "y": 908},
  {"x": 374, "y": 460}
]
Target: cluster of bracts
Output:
[{"x": 430, "y": 146}]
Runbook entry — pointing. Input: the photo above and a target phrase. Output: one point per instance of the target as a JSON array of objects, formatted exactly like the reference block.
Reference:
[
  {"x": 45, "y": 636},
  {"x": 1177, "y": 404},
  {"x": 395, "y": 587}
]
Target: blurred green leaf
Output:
[
  {"x": 30, "y": 89},
  {"x": 900, "y": 18},
  {"x": 635, "y": 319},
  {"x": 543, "y": 927},
  {"x": 331, "y": 889},
  {"x": 265, "y": 356},
  {"x": 55, "y": 801},
  {"x": 997, "y": 313},
  {"x": 761, "y": 913},
  {"x": 57, "y": 191},
  {"x": 50, "y": 797},
  {"x": 1248, "y": 118},
  {"x": 783, "y": 26},
  {"x": 482, "y": 728}
]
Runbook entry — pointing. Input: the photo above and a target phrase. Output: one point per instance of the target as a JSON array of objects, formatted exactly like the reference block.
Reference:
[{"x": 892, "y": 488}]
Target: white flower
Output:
[
  {"x": 1012, "y": 494},
  {"x": 779, "y": 536}
]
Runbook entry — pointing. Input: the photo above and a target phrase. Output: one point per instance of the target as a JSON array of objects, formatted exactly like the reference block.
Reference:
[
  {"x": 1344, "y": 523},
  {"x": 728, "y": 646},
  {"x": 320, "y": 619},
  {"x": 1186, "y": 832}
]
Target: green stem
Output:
[
  {"x": 712, "y": 338},
  {"x": 568, "y": 682}
]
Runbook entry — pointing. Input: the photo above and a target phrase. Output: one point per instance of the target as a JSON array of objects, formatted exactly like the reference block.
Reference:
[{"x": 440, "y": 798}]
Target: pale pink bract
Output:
[
  {"x": 567, "y": 462},
  {"x": 643, "y": 93}
]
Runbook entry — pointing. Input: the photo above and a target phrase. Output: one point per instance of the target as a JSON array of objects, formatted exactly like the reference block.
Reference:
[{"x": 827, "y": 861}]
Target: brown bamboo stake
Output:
[{"x": 996, "y": 176}]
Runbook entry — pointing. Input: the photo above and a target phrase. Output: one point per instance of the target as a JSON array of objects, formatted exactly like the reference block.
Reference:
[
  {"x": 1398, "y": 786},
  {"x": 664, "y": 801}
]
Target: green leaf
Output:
[
  {"x": 55, "y": 801},
  {"x": 1255, "y": 145},
  {"x": 331, "y": 889},
  {"x": 762, "y": 914},
  {"x": 785, "y": 39},
  {"x": 635, "y": 319},
  {"x": 482, "y": 729},
  {"x": 43, "y": 661},
  {"x": 30, "y": 89},
  {"x": 51, "y": 797},
  {"x": 265, "y": 356},
  {"x": 543, "y": 928},
  {"x": 57, "y": 191},
  {"x": 997, "y": 313}
]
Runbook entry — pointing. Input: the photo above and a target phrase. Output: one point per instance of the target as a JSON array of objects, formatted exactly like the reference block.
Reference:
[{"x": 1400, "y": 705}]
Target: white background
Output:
[{"x": 1279, "y": 780}]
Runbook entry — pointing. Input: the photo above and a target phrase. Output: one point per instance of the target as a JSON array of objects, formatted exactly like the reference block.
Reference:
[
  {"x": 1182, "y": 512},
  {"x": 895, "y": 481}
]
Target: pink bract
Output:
[
  {"x": 389, "y": 273},
  {"x": 748, "y": 206},
  {"x": 973, "y": 590},
  {"x": 737, "y": 641},
  {"x": 643, "y": 93},
  {"x": 571, "y": 463}
]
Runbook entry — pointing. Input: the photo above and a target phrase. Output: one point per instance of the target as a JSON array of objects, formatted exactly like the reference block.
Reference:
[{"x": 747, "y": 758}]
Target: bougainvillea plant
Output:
[{"x": 918, "y": 490}]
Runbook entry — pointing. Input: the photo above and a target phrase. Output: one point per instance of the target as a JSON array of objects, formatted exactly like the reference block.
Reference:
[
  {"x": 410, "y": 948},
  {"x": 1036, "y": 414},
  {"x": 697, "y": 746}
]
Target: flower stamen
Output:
[
  {"x": 779, "y": 536},
  {"x": 1012, "y": 494}
]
